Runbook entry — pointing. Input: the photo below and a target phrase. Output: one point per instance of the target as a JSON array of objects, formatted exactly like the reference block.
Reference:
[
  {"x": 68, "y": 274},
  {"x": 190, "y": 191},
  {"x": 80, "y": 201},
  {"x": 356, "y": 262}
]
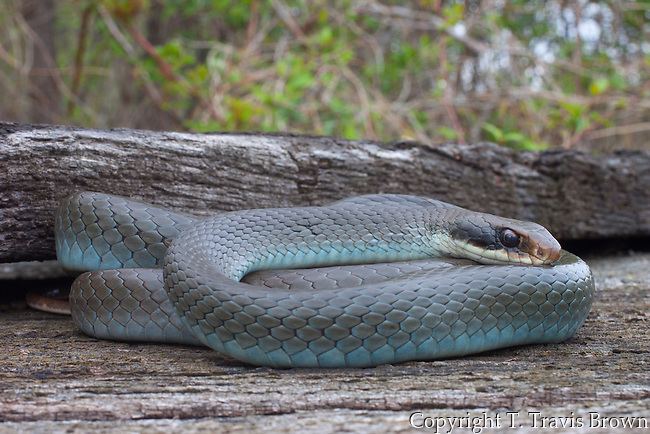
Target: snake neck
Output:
[{"x": 293, "y": 238}]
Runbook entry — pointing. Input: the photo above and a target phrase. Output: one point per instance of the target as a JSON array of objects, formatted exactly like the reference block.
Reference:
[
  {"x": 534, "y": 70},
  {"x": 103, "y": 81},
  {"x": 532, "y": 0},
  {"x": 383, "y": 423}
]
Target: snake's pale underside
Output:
[{"x": 361, "y": 282}]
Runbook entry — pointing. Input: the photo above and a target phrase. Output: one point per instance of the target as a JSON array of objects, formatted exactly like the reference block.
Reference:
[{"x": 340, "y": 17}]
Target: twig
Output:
[
  {"x": 285, "y": 16},
  {"x": 78, "y": 58},
  {"x": 165, "y": 68},
  {"x": 375, "y": 8},
  {"x": 52, "y": 69},
  {"x": 620, "y": 130},
  {"x": 362, "y": 94},
  {"x": 149, "y": 87}
]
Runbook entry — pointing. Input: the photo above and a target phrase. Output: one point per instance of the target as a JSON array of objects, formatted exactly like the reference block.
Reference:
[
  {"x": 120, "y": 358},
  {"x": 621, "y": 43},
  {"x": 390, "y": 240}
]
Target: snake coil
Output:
[{"x": 361, "y": 282}]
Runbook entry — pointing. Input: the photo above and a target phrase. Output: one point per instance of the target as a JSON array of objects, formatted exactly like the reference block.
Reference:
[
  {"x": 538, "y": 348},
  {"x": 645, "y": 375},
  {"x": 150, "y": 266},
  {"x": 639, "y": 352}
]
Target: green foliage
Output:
[
  {"x": 447, "y": 133},
  {"x": 513, "y": 139},
  {"x": 411, "y": 70},
  {"x": 235, "y": 13}
]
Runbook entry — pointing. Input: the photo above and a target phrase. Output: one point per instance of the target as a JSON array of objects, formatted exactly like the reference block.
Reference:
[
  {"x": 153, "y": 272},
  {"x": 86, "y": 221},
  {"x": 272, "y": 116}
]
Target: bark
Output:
[
  {"x": 574, "y": 194},
  {"x": 53, "y": 378}
]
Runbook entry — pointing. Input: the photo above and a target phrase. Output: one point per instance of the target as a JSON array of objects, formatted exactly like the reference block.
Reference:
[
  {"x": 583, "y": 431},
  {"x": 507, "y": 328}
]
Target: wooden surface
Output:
[
  {"x": 574, "y": 194},
  {"x": 54, "y": 378}
]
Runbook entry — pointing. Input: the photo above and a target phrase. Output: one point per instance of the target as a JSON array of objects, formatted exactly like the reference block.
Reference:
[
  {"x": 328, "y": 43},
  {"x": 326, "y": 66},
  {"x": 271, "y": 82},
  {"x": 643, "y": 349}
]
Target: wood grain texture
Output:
[
  {"x": 53, "y": 378},
  {"x": 576, "y": 195}
]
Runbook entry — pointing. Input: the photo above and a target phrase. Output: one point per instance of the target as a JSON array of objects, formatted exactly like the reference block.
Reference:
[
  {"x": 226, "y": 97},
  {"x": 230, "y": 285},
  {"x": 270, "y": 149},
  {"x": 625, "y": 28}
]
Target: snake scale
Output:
[{"x": 361, "y": 282}]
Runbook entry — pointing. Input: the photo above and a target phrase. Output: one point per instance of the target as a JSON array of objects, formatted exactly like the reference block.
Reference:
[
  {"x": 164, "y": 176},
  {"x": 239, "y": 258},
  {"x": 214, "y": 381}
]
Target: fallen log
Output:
[
  {"x": 575, "y": 194},
  {"x": 53, "y": 378}
]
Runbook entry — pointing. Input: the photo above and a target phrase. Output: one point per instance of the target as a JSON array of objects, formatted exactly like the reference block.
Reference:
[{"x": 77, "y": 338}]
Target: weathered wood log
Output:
[
  {"x": 53, "y": 378},
  {"x": 574, "y": 194}
]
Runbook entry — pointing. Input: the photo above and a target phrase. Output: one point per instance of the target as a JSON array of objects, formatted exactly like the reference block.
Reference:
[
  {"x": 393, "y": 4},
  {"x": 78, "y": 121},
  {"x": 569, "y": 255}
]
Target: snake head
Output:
[{"x": 489, "y": 239}]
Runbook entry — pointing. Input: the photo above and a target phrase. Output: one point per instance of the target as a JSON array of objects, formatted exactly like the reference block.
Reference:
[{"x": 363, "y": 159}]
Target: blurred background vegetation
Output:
[{"x": 526, "y": 74}]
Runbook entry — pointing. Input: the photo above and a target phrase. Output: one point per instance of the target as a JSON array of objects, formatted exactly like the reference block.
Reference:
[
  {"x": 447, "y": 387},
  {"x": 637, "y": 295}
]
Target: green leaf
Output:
[
  {"x": 494, "y": 133},
  {"x": 514, "y": 137},
  {"x": 582, "y": 123},
  {"x": 350, "y": 131},
  {"x": 617, "y": 81},
  {"x": 453, "y": 13},
  {"x": 325, "y": 36},
  {"x": 203, "y": 127},
  {"x": 573, "y": 109},
  {"x": 598, "y": 86},
  {"x": 447, "y": 133}
]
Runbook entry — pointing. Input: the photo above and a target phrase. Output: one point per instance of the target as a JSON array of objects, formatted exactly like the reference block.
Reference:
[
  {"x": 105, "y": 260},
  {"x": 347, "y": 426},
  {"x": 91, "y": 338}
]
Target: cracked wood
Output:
[{"x": 574, "y": 194}]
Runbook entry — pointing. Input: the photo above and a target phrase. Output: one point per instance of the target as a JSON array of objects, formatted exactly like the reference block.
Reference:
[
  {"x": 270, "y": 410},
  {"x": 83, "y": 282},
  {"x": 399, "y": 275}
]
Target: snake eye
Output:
[{"x": 509, "y": 238}]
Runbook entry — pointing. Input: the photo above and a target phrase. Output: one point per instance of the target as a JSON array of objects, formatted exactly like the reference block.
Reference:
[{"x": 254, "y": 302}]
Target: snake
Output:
[{"x": 360, "y": 282}]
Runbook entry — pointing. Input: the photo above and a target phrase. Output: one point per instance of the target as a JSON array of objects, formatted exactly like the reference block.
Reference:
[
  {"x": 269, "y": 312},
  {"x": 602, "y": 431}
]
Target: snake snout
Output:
[
  {"x": 538, "y": 242},
  {"x": 548, "y": 251}
]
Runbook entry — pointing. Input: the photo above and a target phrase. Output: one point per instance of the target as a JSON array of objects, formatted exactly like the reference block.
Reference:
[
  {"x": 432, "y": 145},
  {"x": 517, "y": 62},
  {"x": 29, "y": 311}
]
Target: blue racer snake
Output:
[{"x": 398, "y": 278}]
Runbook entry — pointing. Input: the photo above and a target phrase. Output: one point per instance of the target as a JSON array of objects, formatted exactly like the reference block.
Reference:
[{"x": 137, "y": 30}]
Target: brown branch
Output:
[
  {"x": 448, "y": 95},
  {"x": 619, "y": 130},
  {"x": 79, "y": 54},
  {"x": 430, "y": 21},
  {"x": 165, "y": 68},
  {"x": 285, "y": 15}
]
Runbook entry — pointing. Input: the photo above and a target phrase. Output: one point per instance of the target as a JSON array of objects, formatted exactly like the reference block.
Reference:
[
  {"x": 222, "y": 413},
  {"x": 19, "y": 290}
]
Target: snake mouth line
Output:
[{"x": 501, "y": 257}]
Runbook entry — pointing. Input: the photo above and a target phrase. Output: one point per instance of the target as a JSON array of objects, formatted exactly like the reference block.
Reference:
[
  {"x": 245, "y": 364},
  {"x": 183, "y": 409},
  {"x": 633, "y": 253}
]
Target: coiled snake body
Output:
[{"x": 431, "y": 280}]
